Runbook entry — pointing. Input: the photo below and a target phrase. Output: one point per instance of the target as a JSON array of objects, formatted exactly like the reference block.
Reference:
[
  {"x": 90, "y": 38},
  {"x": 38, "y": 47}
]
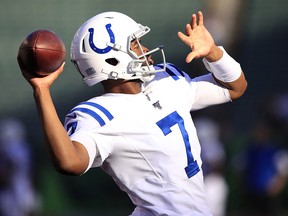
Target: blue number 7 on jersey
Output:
[{"x": 165, "y": 125}]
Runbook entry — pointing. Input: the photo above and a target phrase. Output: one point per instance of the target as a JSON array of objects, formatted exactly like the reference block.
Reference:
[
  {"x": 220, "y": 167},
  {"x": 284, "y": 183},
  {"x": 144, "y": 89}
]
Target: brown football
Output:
[{"x": 42, "y": 52}]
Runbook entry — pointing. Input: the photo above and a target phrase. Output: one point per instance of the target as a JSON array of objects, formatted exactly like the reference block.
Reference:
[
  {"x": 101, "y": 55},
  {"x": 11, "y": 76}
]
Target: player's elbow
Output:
[
  {"x": 238, "y": 87},
  {"x": 237, "y": 93},
  {"x": 69, "y": 168}
]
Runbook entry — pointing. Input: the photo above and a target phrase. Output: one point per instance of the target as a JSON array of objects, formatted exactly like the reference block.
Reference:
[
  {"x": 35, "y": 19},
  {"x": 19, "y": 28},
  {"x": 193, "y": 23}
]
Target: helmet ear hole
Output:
[{"x": 112, "y": 61}]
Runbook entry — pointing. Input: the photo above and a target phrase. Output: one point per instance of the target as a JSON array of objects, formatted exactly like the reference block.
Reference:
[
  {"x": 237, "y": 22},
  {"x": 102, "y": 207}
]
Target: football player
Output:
[{"x": 140, "y": 130}]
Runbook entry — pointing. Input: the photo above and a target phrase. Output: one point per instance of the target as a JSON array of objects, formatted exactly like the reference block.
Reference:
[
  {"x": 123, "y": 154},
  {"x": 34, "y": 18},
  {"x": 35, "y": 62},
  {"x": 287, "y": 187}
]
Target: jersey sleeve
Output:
[
  {"x": 81, "y": 123},
  {"x": 208, "y": 92},
  {"x": 198, "y": 92}
]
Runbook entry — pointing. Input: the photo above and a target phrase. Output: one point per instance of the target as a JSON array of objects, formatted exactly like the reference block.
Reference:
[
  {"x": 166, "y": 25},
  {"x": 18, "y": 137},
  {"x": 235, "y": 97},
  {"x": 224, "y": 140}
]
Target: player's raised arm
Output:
[
  {"x": 68, "y": 157},
  {"x": 223, "y": 67}
]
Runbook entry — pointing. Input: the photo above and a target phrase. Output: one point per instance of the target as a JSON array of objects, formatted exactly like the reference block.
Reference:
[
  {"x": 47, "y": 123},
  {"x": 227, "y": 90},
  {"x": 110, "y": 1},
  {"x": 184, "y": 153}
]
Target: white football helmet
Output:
[{"x": 100, "y": 49}]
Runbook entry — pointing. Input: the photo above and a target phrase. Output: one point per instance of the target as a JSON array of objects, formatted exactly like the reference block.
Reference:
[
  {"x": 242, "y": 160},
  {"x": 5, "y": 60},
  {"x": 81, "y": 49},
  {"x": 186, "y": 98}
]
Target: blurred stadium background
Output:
[{"x": 255, "y": 32}]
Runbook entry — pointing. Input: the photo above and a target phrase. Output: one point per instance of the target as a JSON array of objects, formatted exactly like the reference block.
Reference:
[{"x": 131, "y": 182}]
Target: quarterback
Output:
[{"x": 140, "y": 130}]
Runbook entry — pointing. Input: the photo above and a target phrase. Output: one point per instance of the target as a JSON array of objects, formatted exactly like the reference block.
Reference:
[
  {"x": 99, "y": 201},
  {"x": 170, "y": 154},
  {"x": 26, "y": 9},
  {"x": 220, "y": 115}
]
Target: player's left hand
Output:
[{"x": 197, "y": 38}]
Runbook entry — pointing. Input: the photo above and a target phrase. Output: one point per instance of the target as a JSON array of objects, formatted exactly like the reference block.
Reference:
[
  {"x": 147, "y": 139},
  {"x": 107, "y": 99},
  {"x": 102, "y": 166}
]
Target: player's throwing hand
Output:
[
  {"x": 197, "y": 38},
  {"x": 36, "y": 81}
]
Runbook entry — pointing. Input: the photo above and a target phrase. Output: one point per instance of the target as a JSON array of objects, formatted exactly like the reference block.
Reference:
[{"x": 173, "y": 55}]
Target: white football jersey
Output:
[{"x": 147, "y": 142}]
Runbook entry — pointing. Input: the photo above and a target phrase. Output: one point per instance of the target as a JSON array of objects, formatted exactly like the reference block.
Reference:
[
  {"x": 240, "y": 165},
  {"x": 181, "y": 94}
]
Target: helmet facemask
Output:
[{"x": 140, "y": 65}]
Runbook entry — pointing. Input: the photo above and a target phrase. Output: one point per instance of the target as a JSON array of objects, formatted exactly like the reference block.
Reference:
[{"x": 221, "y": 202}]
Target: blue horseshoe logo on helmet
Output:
[{"x": 99, "y": 50}]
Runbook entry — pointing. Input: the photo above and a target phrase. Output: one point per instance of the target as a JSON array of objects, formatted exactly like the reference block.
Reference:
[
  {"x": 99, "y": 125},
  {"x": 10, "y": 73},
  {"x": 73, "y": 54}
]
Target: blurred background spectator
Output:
[
  {"x": 264, "y": 172},
  {"x": 264, "y": 159},
  {"x": 18, "y": 196},
  {"x": 213, "y": 156}
]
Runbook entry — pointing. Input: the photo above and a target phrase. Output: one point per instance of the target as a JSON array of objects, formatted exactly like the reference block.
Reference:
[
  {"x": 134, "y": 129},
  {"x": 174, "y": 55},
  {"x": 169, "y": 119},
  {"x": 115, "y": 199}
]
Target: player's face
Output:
[{"x": 139, "y": 49}]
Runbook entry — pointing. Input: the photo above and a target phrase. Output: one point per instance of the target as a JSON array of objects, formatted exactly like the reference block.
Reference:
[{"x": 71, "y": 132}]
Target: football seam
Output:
[{"x": 35, "y": 48}]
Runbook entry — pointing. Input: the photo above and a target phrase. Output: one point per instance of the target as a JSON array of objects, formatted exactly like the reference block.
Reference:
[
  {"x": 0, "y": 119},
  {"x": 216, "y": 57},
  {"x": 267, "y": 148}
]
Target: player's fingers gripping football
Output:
[{"x": 35, "y": 80}]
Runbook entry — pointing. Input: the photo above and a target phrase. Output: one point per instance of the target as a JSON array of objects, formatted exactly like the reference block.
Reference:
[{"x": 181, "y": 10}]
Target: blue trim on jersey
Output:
[
  {"x": 172, "y": 70},
  {"x": 177, "y": 69},
  {"x": 101, "y": 108},
  {"x": 92, "y": 114},
  {"x": 72, "y": 127}
]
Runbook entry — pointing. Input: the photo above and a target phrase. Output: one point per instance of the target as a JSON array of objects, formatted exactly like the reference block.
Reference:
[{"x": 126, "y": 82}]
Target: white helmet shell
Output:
[{"x": 100, "y": 49}]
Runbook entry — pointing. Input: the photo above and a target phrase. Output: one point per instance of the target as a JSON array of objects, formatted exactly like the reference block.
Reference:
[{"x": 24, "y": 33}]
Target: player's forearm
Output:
[
  {"x": 226, "y": 71},
  {"x": 65, "y": 155},
  {"x": 237, "y": 87}
]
